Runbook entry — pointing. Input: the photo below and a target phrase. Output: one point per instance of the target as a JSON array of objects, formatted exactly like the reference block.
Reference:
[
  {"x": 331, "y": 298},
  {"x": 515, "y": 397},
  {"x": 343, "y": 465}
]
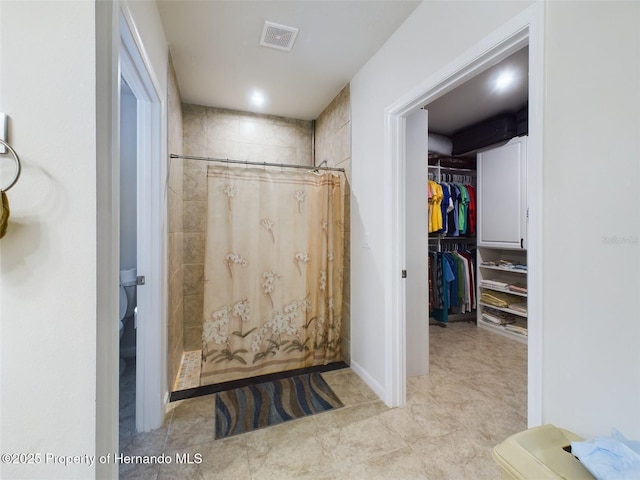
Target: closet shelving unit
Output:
[
  {"x": 508, "y": 276},
  {"x": 454, "y": 170}
]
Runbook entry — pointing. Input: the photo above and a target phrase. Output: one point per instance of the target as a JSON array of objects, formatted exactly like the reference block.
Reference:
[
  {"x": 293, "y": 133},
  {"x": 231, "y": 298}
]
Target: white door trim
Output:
[
  {"x": 526, "y": 28},
  {"x": 135, "y": 67}
]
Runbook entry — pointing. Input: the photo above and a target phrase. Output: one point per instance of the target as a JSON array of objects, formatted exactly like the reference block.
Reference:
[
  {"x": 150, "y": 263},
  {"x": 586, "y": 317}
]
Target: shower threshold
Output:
[{"x": 198, "y": 391}]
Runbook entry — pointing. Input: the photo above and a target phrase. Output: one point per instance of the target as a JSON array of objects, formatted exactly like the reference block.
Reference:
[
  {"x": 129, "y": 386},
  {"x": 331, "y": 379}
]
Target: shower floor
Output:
[
  {"x": 189, "y": 374},
  {"x": 187, "y": 383}
]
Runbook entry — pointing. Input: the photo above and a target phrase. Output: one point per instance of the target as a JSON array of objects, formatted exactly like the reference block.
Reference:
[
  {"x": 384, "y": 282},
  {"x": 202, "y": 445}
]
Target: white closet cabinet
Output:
[{"x": 502, "y": 196}]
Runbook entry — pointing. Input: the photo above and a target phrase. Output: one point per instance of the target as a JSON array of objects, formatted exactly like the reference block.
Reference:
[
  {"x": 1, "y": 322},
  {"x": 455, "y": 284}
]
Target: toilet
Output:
[{"x": 128, "y": 282}]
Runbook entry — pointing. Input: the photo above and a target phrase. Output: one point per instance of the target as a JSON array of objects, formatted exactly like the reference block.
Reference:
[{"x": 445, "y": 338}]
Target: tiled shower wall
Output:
[
  {"x": 220, "y": 133},
  {"x": 175, "y": 145},
  {"x": 333, "y": 144}
]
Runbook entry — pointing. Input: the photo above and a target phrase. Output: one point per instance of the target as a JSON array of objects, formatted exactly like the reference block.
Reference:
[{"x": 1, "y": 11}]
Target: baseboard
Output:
[{"x": 368, "y": 379}]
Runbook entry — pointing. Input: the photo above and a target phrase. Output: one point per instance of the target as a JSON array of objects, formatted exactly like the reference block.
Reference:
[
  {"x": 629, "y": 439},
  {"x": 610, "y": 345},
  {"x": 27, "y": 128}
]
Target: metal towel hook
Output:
[{"x": 18, "y": 166}]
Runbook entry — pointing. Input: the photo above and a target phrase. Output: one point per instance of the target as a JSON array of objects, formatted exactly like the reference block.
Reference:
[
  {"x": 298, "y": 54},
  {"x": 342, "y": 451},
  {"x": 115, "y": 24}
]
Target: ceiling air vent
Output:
[{"x": 278, "y": 36}]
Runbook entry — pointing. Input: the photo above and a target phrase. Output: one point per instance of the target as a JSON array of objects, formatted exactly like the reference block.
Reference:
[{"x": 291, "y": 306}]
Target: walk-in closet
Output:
[{"x": 477, "y": 205}]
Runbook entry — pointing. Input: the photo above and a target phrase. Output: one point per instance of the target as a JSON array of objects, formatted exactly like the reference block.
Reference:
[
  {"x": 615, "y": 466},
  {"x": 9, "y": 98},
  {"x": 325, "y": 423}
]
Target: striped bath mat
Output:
[{"x": 250, "y": 408}]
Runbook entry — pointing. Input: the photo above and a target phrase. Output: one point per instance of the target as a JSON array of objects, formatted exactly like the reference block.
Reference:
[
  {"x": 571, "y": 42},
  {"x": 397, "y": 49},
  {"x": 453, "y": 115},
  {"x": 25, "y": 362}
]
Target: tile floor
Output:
[{"x": 473, "y": 398}]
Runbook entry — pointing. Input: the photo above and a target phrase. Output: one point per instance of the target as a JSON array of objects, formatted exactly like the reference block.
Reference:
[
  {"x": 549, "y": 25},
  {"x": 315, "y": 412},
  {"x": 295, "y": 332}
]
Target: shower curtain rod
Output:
[{"x": 261, "y": 164}]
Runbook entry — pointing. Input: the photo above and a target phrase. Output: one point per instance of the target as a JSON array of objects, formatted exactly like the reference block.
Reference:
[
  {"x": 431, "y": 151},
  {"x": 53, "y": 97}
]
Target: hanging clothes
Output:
[
  {"x": 451, "y": 283},
  {"x": 451, "y": 208},
  {"x": 436, "y": 196},
  {"x": 471, "y": 209}
]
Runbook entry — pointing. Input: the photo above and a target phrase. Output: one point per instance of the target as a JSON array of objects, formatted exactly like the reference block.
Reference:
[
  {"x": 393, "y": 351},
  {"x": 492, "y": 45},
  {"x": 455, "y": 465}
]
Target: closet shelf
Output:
[
  {"x": 503, "y": 269},
  {"x": 502, "y": 331},
  {"x": 508, "y": 310},
  {"x": 452, "y": 169},
  {"x": 503, "y": 290},
  {"x": 435, "y": 236}
]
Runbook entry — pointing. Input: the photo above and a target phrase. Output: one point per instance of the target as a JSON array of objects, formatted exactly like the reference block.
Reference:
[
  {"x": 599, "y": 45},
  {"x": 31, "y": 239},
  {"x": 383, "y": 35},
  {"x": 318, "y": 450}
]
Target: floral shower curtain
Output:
[{"x": 273, "y": 272}]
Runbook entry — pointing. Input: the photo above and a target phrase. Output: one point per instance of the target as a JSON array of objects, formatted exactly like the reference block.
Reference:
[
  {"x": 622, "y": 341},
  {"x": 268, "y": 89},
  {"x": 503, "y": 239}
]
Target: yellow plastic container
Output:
[{"x": 539, "y": 453}]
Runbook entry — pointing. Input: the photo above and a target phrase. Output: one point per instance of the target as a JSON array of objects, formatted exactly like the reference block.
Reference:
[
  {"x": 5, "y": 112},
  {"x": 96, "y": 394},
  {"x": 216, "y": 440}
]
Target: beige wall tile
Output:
[
  {"x": 175, "y": 172},
  {"x": 333, "y": 144},
  {"x": 175, "y": 252},
  {"x": 174, "y": 214},
  {"x": 221, "y": 149},
  {"x": 195, "y": 182},
  {"x": 195, "y": 140},
  {"x": 222, "y": 127},
  {"x": 195, "y": 214},
  {"x": 193, "y": 247},
  {"x": 255, "y": 131},
  {"x": 193, "y": 305},
  {"x": 175, "y": 294},
  {"x": 191, "y": 109},
  {"x": 342, "y": 145},
  {"x": 194, "y": 279},
  {"x": 193, "y": 338},
  {"x": 252, "y": 152},
  {"x": 175, "y": 144},
  {"x": 177, "y": 326}
]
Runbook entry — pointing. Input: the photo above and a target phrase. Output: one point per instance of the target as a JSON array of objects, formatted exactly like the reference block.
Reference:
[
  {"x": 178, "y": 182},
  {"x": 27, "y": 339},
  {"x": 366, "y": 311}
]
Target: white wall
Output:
[
  {"x": 48, "y": 257},
  {"x": 591, "y": 370},
  {"x": 591, "y": 360},
  {"x": 56, "y": 340},
  {"x": 415, "y": 52}
]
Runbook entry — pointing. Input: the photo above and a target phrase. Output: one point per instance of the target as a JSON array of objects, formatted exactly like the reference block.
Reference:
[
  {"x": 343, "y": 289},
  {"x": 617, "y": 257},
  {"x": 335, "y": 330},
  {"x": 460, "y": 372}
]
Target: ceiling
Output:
[
  {"x": 216, "y": 51},
  {"x": 479, "y": 98},
  {"x": 219, "y": 62}
]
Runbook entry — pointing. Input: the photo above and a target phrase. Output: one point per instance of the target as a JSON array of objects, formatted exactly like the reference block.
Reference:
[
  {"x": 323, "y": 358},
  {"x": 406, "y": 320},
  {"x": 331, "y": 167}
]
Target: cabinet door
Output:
[{"x": 502, "y": 199}]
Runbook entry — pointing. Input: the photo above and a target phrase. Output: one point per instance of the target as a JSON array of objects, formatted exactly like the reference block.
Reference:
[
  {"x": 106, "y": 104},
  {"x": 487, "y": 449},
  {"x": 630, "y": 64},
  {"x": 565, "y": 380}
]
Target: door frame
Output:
[
  {"x": 135, "y": 69},
  {"x": 524, "y": 29}
]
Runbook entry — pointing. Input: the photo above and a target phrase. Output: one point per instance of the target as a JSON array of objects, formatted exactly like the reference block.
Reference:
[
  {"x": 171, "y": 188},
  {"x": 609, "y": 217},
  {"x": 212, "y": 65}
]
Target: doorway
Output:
[
  {"x": 522, "y": 31},
  {"x": 140, "y": 93}
]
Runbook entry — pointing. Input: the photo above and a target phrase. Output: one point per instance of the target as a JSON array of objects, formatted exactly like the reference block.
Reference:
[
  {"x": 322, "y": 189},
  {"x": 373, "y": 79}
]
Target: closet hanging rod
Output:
[
  {"x": 452, "y": 169},
  {"x": 260, "y": 164}
]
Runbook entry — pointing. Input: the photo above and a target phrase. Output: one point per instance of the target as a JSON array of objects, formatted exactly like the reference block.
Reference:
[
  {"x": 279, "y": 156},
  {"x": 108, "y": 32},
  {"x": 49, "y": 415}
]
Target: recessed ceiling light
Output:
[
  {"x": 505, "y": 80},
  {"x": 258, "y": 99}
]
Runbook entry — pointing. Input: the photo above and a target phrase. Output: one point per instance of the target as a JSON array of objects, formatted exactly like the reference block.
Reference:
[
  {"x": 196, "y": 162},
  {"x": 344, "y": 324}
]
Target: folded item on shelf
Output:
[
  {"x": 492, "y": 321},
  {"x": 498, "y": 313},
  {"x": 519, "y": 307},
  {"x": 493, "y": 283},
  {"x": 519, "y": 329},
  {"x": 511, "y": 264},
  {"x": 507, "y": 264},
  {"x": 517, "y": 287},
  {"x": 496, "y": 320},
  {"x": 497, "y": 299}
]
